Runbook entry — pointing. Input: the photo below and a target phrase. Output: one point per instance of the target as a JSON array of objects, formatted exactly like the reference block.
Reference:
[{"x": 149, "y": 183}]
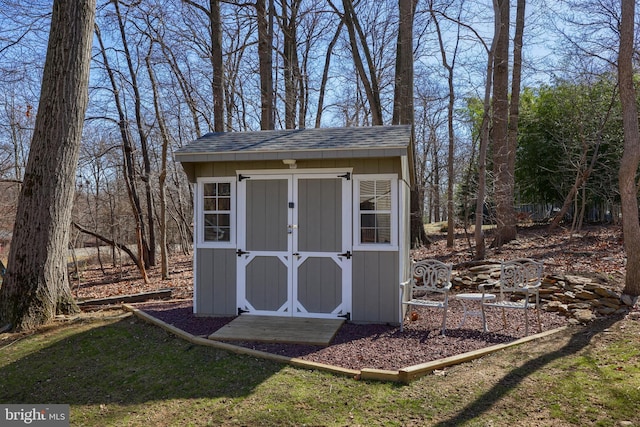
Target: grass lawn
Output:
[{"x": 116, "y": 370}]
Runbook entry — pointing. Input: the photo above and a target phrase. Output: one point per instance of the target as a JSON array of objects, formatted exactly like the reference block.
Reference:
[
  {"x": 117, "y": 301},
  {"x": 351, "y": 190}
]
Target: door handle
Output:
[{"x": 291, "y": 227}]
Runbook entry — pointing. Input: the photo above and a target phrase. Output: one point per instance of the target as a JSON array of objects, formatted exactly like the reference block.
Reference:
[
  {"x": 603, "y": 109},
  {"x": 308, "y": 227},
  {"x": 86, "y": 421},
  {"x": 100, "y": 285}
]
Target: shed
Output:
[{"x": 304, "y": 223}]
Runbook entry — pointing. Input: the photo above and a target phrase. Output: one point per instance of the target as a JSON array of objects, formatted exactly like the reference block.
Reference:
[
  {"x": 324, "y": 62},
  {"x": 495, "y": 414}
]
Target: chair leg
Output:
[
  {"x": 538, "y": 312},
  {"x": 444, "y": 321},
  {"x": 484, "y": 318}
]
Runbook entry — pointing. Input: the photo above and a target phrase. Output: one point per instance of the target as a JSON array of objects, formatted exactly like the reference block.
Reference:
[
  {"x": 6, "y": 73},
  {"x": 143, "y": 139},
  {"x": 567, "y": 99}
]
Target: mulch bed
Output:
[
  {"x": 596, "y": 250},
  {"x": 377, "y": 346}
]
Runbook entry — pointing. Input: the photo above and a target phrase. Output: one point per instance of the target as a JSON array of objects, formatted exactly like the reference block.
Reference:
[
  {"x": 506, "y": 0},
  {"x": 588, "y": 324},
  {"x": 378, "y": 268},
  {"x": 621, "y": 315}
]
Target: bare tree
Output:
[
  {"x": 265, "y": 57},
  {"x": 449, "y": 67},
  {"x": 36, "y": 285},
  {"x": 631, "y": 155},
  {"x": 369, "y": 80},
  {"x": 503, "y": 184},
  {"x": 403, "y": 109},
  {"x": 129, "y": 161},
  {"x": 215, "y": 58}
]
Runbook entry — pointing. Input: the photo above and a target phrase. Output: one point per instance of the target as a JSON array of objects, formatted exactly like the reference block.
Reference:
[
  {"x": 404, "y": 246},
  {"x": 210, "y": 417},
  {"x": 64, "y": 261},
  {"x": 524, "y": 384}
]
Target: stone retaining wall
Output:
[{"x": 580, "y": 298}]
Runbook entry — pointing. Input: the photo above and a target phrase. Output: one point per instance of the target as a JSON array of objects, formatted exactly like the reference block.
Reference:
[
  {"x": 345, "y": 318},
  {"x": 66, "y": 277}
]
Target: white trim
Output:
[
  {"x": 294, "y": 308},
  {"x": 321, "y": 172},
  {"x": 194, "y": 189},
  {"x": 393, "y": 245},
  {"x": 199, "y": 219}
]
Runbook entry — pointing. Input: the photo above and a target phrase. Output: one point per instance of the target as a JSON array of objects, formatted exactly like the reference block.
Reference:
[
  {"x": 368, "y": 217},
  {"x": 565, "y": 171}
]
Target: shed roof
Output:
[{"x": 315, "y": 143}]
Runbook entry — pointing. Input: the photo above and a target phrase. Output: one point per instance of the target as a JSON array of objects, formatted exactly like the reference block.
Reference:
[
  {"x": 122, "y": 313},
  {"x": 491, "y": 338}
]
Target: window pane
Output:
[
  {"x": 366, "y": 204},
  {"x": 224, "y": 189},
  {"x": 224, "y": 220},
  {"x": 210, "y": 220},
  {"x": 209, "y": 204},
  {"x": 217, "y": 227},
  {"x": 367, "y": 188},
  {"x": 383, "y": 203},
  {"x": 383, "y": 235},
  {"x": 224, "y": 203},
  {"x": 217, "y": 234},
  {"x": 383, "y": 187},
  {"x": 209, "y": 189},
  {"x": 367, "y": 235},
  {"x": 383, "y": 221},
  {"x": 368, "y": 220},
  {"x": 375, "y": 228}
]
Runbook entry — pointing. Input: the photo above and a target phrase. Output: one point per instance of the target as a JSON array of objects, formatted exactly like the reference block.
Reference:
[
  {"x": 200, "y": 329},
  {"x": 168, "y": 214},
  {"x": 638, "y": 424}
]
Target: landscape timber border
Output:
[{"x": 404, "y": 375}]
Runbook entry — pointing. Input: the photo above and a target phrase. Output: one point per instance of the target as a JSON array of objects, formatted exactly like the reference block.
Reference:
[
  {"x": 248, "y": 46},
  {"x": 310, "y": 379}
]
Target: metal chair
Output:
[
  {"x": 428, "y": 286},
  {"x": 519, "y": 282}
]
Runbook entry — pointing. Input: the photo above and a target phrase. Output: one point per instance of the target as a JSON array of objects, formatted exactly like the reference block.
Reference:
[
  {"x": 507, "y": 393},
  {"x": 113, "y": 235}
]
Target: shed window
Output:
[
  {"x": 217, "y": 212},
  {"x": 376, "y": 211}
]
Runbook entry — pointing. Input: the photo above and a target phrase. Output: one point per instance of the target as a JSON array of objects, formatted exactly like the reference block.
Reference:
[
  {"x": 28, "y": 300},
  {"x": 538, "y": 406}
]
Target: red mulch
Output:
[{"x": 597, "y": 250}]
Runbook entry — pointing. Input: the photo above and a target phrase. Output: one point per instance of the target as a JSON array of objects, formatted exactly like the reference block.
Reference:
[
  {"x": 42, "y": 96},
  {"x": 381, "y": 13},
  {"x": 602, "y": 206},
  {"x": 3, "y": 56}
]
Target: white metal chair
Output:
[
  {"x": 519, "y": 282},
  {"x": 428, "y": 286}
]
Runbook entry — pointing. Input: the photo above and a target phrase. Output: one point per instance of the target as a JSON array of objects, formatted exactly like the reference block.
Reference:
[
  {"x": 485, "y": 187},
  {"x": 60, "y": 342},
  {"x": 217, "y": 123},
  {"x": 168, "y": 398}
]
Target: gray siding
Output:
[
  {"x": 376, "y": 275},
  {"x": 375, "y": 291},
  {"x": 216, "y": 282}
]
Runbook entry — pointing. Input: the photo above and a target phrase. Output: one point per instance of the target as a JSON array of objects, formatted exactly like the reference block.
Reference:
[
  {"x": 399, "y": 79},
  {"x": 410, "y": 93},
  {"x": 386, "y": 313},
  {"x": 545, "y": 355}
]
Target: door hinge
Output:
[
  {"x": 240, "y": 311},
  {"x": 241, "y": 177},
  {"x": 347, "y": 255},
  {"x": 346, "y": 176},
  {"x": 347, "y": 315},
  {"x": 240, "y": 252}
]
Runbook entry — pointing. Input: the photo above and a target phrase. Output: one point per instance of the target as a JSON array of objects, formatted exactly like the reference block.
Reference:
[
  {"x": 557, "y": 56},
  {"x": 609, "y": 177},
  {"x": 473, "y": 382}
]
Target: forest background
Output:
[{"x": 164, "y": 72}]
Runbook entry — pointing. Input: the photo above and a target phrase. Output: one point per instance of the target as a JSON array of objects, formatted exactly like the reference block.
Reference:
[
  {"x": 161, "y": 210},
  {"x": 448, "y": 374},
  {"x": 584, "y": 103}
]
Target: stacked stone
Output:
[{"x": 580, "y": 298}]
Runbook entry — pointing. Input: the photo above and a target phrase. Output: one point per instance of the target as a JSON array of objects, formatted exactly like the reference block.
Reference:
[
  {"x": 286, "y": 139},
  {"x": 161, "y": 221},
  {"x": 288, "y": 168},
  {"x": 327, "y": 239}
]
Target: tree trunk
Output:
[
  {"x": 514, "y": 113},
  {"x": 325, "y": 73},
  {"x": 484, "y": 144},
  {"x": 291, "y": 66},
  {"x": 129, "y": 163},
  {"x": 450, "y": 128},
  {"x": 503, "y": 178},
  {"x": 631, "y": 154},
  {"x": 162, "y": 177},
  {"x": 403, "y": 110},
  {"x": 36, "y": 285},
  {"x": 265, "y": 42},
  {"x": 218, "y": 65},
  {"x": 370, "y": 82},
  {"x": 148, "y": 247}
]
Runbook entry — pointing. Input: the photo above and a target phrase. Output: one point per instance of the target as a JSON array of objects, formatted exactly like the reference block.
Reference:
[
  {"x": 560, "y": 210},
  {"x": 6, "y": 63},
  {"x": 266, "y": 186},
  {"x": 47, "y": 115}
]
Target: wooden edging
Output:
[
  {"x": 405, "y": 375},
  {"x": 294, "y": 361},
  {"x": 411, "y": 373}
]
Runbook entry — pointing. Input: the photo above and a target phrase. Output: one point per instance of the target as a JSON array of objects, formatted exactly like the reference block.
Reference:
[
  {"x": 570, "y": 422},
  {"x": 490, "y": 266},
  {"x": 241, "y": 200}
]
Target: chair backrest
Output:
[
  {"x": 520, "y": 273},
  {"x": 431, "y": 275}
]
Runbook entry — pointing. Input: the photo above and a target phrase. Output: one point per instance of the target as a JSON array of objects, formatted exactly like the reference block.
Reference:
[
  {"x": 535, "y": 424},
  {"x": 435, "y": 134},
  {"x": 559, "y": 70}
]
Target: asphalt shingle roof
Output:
[{"x": 378, "y": 141}]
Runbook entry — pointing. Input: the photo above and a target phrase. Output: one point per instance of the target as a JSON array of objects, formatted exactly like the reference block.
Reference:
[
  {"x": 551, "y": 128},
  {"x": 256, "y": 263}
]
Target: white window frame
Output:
[
  {"x": 199, "y": 202},
  {"x": 357, "y": 244}
]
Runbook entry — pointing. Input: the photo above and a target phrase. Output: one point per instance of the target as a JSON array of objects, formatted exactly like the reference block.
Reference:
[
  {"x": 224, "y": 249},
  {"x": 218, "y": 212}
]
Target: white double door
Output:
[{"x": 294, "y": 244}]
